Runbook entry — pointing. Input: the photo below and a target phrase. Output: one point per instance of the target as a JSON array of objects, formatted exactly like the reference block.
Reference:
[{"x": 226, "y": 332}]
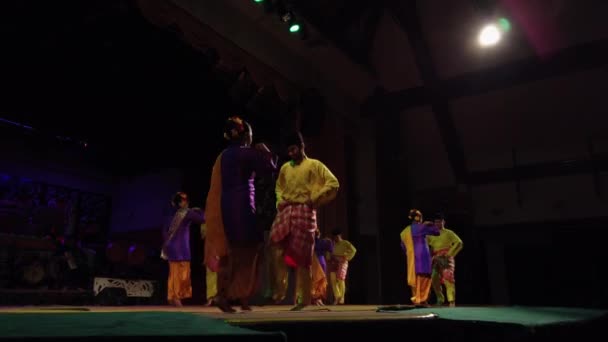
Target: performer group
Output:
[{"x": 236, "y": 250}]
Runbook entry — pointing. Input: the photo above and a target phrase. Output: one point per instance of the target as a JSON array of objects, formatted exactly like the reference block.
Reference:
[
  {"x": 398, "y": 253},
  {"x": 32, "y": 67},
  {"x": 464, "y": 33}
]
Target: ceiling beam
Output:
[
  {"x": 579, "y": 58},
  {"x": 406, "y": 15}
]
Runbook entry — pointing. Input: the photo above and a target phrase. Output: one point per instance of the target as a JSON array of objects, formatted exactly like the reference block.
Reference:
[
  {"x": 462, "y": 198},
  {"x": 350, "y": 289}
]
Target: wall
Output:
[
  {"x": 139, "y": 203},
  {"x": 48, "y": 161}
]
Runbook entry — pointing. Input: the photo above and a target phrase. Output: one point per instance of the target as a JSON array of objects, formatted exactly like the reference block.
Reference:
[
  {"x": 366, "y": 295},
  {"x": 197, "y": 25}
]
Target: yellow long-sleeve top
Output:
[
  {"x": 446, "y": 240},
  {"x": 344, "y": 249},
  {"x": 309, "y": 180}
]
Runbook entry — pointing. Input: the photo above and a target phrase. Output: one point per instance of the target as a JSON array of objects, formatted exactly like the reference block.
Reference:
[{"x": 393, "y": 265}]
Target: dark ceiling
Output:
[
  {"x": 98, "y": 71},
  {"x": 350, "y": 25}
]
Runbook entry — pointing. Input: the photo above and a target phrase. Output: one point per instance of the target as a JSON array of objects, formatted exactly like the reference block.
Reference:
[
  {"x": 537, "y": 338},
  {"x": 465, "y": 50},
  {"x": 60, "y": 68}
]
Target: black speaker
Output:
[{"x": 312, "y": 109}]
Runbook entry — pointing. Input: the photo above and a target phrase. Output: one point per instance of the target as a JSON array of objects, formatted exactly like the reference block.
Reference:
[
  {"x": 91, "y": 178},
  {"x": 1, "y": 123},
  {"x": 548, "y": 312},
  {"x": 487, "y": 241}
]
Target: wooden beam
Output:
[
  {"x": 406, "y": 15},
  {"x": 538, "y": 170}
]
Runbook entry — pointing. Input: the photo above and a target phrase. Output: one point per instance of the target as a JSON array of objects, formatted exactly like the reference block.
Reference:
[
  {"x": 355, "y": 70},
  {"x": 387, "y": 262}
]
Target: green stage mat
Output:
[
  {"x": 527, "y": 316},
  {"x": 90, "y": 324}
]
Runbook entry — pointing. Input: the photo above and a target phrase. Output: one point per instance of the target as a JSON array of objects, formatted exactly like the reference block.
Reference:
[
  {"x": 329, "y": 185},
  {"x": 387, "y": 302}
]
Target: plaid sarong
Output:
[
  {"x": 339, "y": 267},
  {"x": 444, "y": 265},
  {"x": 294, "y": 227}
]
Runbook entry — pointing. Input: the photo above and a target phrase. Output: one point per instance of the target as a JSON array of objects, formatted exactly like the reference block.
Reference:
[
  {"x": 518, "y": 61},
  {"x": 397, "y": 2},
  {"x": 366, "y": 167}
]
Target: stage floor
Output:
[
  {"x": 522, "y": 315},
  {"x": 478, "y": 323}
]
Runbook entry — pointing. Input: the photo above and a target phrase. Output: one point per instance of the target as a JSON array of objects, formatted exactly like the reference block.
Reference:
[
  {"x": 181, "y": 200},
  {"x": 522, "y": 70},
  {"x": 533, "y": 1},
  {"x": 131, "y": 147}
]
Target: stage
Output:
[{"x": 277, "y": 323}]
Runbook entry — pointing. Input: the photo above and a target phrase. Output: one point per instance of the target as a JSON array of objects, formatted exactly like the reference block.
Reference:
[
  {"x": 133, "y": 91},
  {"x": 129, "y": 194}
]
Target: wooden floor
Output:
[{"x": 273, "y": 313}]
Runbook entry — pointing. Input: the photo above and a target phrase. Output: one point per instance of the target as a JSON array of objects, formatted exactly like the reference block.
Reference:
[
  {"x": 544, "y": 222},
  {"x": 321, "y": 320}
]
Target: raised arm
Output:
[
  {"x": 195, "y": 215},
  {"x": 429, "y": 228},
  {"x": 324, "y": 246},
  {"x": 264, "y": 162}
]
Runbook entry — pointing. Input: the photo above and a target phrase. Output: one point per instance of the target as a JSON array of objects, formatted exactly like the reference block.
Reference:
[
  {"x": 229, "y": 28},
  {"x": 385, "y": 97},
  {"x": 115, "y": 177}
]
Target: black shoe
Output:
[
  {"x": 298, "y": 307},
  {"x": 223, "y": 305}
]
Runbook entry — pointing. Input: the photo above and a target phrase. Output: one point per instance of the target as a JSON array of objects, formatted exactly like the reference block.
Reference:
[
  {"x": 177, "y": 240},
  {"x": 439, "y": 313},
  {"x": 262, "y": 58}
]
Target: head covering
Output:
[
  {"x": 415, "y": 215},
  {"x": 178, "y": 197},
  {"x": 235, "y": 128}
]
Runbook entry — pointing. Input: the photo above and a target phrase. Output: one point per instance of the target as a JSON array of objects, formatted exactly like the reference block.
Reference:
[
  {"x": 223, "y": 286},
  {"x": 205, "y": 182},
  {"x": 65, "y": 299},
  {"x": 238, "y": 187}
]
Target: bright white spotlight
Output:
[{"x": 489, "y": 36}]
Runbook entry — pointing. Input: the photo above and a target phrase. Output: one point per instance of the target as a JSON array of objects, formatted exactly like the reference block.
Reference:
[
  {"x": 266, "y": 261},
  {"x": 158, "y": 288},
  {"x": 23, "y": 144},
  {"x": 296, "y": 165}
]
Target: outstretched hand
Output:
[{"x": 262, "y": 147}]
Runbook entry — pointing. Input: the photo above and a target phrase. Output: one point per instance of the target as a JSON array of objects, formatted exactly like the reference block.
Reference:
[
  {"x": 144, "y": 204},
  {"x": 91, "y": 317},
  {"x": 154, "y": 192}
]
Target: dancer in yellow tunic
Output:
[
  {"x": 344, "y": 251},
  {"x": 444, "y": 248},
  {"x": 303, "y": 185}
]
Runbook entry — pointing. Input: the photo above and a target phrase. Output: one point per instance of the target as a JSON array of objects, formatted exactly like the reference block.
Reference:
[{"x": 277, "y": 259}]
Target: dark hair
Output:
[
  {"x": 236, "y": 128},
  {"x": 178, "y": 197},
  {"x": 295, "y": 138},
  {"x": 336, "y": 232},
  {"x": 439, "y": 216}
]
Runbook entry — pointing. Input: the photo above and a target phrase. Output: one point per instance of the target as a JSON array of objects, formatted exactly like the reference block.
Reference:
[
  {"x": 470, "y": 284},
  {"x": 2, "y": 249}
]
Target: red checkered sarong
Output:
[
  {"x": 294, "y": 227},
  {"x": 444, "y": 265},
  {"x": 339, "y": 267}
]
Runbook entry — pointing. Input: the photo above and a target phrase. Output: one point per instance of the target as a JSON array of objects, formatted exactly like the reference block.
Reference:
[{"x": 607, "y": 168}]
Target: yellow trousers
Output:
[
  {"x": 338, "y": 286},
  {"x": 179, "y": 284},
  {"x": 450, "y": 289},
  {"x": 211, "y": 281},
  {"x": 278, "y": 273}
]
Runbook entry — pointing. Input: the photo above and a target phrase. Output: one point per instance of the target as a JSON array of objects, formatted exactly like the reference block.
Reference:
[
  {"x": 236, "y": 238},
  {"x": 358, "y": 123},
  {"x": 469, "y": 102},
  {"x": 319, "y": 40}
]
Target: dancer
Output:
[
  {"x": 320, "y": 277},
  {"x": 343, "y": 252},
  {"x": 234, "y": 243},
  {"x": 176, "y": 248},
  {"x": 303, "y": 185},
  {"x": 444, "y": 249},
  {"x": 413, "y": 241},
  {"x": 210, "y": 275}
]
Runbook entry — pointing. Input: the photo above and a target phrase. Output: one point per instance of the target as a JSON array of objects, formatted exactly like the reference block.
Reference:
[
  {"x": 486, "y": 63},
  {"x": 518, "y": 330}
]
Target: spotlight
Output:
[
  {"x": 294, "y": 28},
  {"x": 293, "y": 25},
  {"x": 284, "y": 10},
  {"x": 489, "y": 36},
  {"x": 492, "y": 33}
]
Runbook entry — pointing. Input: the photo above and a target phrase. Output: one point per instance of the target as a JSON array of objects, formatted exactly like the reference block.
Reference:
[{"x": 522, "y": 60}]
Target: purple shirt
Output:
[
  {"x": 178, "y": 248},
  {"x": 239, "y": 166},
  {"x": 323, "y": 246},
  {"x": 421, "y": 247}
]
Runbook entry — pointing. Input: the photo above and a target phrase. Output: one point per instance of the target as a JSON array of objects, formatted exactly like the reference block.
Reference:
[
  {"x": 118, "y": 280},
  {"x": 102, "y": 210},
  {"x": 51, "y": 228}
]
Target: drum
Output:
[
  {"x": 117, "y": 252},
  {"x": 34, "y": 273},
  {"x": 137, "y": 255}
]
